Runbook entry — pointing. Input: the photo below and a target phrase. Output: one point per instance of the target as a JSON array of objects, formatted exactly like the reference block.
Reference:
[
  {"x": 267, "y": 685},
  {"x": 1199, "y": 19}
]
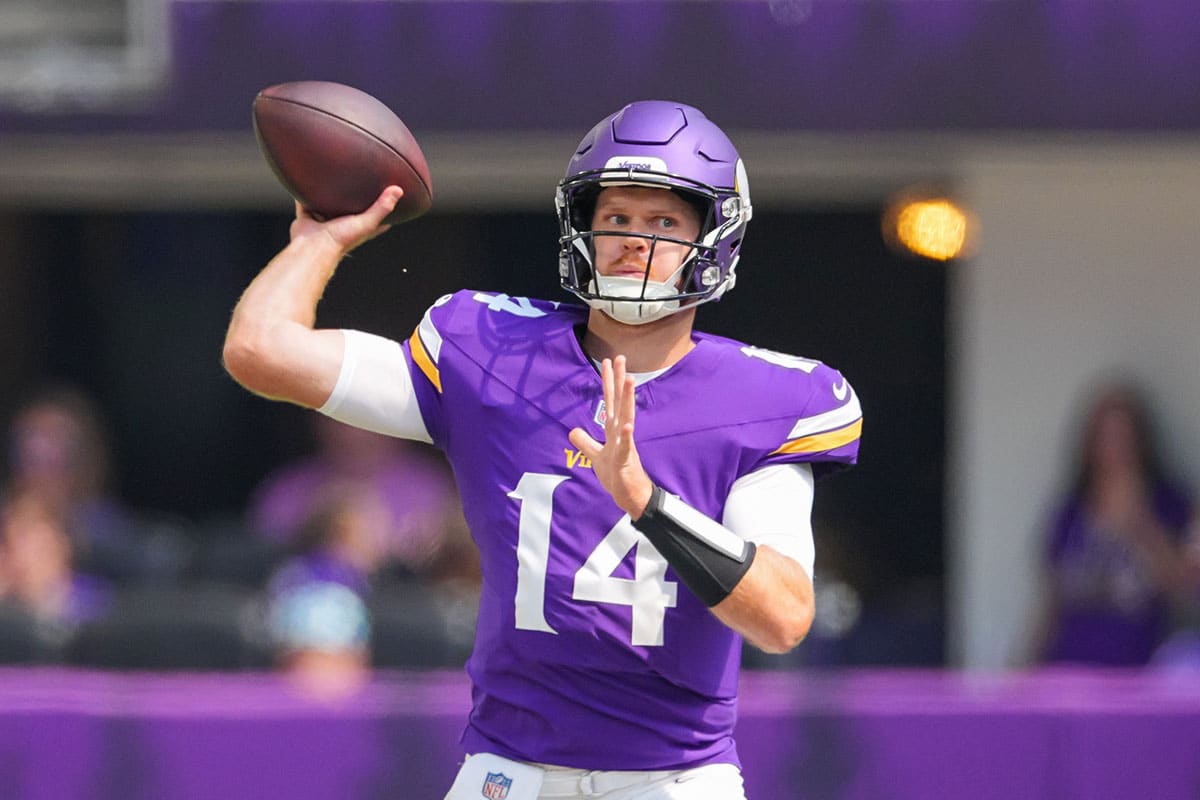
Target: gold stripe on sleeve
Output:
[
  {"x": 830, "y": 440},
  {"x": 422, "y": 360}
]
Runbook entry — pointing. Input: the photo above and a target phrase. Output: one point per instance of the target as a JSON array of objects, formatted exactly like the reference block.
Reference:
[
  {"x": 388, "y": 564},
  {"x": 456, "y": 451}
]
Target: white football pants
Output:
[{"x": 484, "y": 776}]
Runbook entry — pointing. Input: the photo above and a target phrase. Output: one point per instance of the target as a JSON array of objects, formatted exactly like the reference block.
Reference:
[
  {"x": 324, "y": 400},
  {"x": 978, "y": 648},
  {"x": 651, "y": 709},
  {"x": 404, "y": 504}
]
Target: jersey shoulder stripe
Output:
[
  {"x": 827, "y": 430},
  {"x": 426, "y": 344},
  {"x": 425, "y": 362},
  {"x": 822, "y": 442}
]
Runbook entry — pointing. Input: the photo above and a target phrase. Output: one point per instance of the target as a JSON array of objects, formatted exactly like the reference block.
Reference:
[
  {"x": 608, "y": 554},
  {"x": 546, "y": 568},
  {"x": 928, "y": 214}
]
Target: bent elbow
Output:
[
  {"x": 247, "y": 357},
  {"x": 787, "y": 631},
  {"x": 241, "y": 357},
  {"x": 798, "y": 631},
  {"x": 787, "y": 638}
]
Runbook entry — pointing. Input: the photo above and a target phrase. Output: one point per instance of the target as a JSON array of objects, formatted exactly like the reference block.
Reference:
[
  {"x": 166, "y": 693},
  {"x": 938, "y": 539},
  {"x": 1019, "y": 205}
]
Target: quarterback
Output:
[{"x": 640, "y": 492}]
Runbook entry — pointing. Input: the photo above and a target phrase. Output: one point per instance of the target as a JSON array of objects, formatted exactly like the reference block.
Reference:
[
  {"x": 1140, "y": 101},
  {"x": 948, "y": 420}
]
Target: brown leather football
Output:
[{"x": 335, "y": 148}]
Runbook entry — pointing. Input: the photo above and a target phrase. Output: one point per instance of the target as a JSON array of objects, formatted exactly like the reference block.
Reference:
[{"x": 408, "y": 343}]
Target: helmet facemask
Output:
[{"x": 626, "y": 298}]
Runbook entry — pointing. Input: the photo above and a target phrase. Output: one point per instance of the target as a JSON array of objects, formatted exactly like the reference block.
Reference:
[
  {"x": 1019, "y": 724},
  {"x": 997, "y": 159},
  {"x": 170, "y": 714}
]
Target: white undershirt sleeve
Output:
[
  {"x": 773, "y": 506},
  {"x": 374, "y": 389}
]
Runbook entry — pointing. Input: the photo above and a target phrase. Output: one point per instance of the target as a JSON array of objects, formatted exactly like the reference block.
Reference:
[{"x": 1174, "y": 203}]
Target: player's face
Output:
[{"x": 642, "y": 210}]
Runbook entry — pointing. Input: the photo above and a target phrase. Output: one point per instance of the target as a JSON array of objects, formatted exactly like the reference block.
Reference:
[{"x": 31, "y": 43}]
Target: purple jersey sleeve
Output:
[
  {"x": 775, "y": 408},
  {"x": 589, "y": 652},
  {"x": 828, "y": 426}
]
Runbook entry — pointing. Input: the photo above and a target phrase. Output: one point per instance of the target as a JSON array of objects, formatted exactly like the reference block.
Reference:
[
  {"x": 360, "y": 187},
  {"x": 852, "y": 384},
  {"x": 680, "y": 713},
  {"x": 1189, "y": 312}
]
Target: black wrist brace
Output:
[{"x": 709, "y": 558}]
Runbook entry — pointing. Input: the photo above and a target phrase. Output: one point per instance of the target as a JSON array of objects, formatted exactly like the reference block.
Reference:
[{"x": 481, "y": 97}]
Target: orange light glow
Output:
[
  {"x": 935, "y": 229},
  {"x": 929, "y": 225}
]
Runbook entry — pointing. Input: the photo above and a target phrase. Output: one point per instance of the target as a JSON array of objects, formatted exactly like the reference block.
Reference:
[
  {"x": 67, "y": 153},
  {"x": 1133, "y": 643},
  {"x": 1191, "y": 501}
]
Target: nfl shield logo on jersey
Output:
[
  {"x": 496, "y": 785},
  {"x": 601, "y": 415}
]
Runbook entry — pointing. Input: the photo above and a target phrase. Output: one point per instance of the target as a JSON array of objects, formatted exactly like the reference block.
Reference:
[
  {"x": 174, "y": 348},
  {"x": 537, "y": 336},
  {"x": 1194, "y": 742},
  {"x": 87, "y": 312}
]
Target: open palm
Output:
[{"x": 616, "y": 462}]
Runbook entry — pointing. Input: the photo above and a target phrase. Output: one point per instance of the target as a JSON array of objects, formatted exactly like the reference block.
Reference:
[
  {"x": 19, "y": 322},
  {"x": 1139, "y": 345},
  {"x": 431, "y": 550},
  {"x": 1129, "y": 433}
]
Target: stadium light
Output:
[{"x": 930, "y": 225}]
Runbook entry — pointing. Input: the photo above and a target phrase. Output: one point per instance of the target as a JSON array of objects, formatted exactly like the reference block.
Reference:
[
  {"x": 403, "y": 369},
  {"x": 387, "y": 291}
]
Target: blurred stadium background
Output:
[{"x": 134, "y": 208}]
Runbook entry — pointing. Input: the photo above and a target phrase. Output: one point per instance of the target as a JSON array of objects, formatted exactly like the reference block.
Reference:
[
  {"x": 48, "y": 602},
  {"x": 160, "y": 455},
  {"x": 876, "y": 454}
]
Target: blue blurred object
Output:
[{"x": 320, "y": 616}]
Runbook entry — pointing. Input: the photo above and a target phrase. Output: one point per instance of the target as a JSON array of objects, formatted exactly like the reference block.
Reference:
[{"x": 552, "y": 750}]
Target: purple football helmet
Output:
[{"x": 662, "y": 145}]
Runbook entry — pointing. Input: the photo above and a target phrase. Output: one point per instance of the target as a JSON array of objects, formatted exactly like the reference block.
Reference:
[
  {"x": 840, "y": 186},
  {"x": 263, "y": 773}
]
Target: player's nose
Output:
[{"x": 634, "y": 241}]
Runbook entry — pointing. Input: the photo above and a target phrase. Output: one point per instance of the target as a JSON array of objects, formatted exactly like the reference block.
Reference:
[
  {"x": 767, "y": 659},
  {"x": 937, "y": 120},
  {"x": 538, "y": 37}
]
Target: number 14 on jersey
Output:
[{"x": 649, "y": 594}]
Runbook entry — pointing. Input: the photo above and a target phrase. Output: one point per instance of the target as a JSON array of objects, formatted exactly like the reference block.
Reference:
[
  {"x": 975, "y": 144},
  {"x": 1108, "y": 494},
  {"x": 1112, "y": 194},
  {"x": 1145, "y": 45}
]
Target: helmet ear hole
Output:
[
  {"x": 702, "y": 206},
  {"x": 583, "y": 208}
]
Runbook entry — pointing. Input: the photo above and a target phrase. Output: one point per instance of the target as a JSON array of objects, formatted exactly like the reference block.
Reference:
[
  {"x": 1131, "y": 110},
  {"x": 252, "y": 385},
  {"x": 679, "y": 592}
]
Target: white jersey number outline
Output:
[
  {"x": 781, "y": 359},
  {"x": 649, "y": 594}
]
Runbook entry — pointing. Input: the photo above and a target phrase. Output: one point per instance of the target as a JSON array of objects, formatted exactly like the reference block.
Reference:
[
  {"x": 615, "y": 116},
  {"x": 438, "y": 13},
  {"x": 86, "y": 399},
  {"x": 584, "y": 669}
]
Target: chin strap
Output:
[
  {"x": 635, "y": 301},
  {"x": 709, "y": 558}
]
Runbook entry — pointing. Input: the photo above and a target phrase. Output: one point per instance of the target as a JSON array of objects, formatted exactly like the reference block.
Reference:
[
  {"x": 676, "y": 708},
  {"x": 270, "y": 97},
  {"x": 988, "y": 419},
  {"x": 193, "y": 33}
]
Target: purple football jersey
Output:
[{"x": 588, "y": 651}]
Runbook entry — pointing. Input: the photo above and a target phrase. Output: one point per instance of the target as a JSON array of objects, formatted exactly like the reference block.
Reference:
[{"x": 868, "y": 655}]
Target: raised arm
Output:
[{"x": 271, "y": 347}]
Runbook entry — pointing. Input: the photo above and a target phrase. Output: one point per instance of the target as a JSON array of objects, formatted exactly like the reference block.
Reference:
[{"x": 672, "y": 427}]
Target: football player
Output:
[{"x": 640, "y": 492}]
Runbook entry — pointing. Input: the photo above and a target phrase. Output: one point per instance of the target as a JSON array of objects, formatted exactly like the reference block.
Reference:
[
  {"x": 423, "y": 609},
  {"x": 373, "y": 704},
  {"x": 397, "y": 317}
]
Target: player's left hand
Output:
[{"x": 616, "y": 462}]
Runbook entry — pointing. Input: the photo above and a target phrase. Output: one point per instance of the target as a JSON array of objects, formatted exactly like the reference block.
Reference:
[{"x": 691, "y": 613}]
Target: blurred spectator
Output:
[
  {"x": 59, "y": 453},
  {"x": 1115, "y": 556},
  {"x": 342, "y": 541},
  {"x": 318, "y": 613},
  {"x": 1181, "y": 651},
  {"x": 422, "y": 532},
  {"x": 37, "y": 573}
]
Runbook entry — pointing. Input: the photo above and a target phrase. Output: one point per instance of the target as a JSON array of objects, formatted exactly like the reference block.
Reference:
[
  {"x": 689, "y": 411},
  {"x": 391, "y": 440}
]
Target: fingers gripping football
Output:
[
  {"x": 349, "y": 232},
  {"x": 615, "y": 461}
]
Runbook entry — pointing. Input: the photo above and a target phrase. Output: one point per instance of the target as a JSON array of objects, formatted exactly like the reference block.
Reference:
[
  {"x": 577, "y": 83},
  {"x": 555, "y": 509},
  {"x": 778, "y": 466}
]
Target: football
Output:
[{"x": 335, "y": 148}]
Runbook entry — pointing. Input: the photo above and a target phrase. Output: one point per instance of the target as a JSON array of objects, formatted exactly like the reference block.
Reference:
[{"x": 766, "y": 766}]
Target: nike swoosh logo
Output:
[{"x": 840, "y": 389}]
